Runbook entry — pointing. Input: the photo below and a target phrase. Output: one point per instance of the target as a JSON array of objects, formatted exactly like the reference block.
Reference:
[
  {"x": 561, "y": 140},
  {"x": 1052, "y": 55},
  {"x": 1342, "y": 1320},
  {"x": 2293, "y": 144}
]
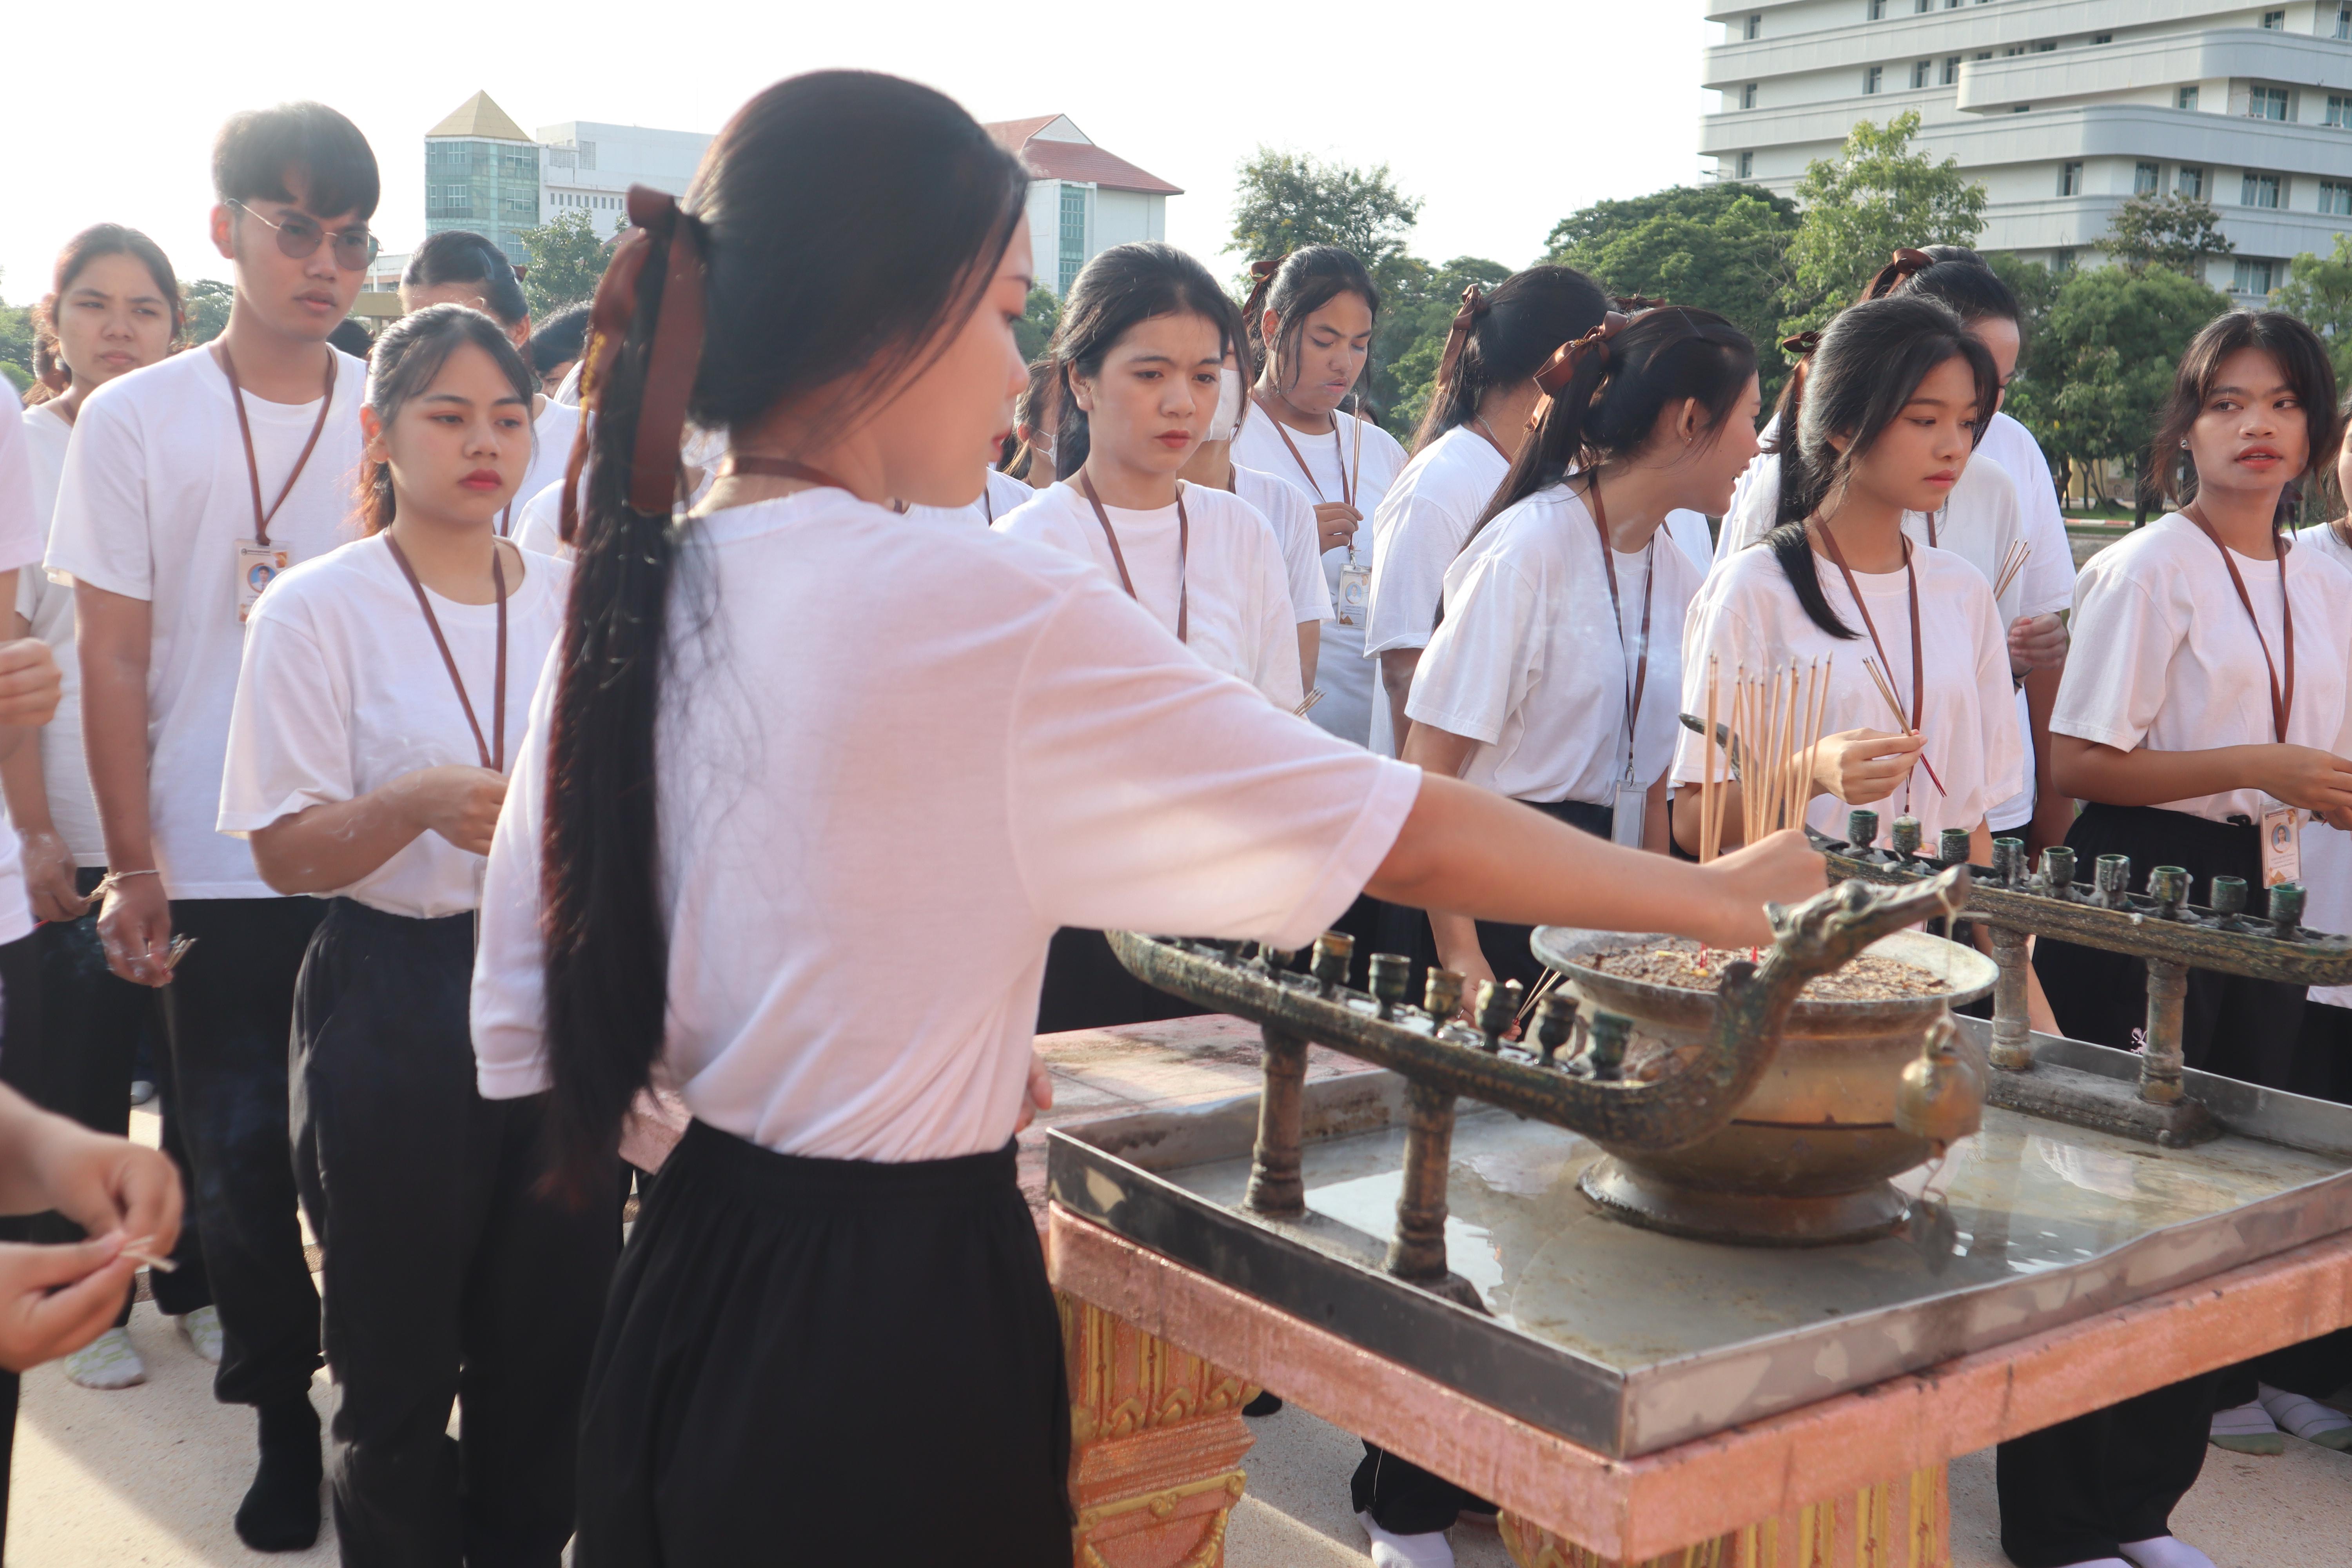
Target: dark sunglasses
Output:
[{"x": 298, "y": 237}]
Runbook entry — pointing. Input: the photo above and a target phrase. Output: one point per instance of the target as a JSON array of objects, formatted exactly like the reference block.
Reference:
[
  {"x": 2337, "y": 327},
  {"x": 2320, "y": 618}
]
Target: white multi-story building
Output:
[
  {"x": 588, "y": 166},
  {"x": 2063, "y": 110},
  {"x": 1083, "y": 199}
]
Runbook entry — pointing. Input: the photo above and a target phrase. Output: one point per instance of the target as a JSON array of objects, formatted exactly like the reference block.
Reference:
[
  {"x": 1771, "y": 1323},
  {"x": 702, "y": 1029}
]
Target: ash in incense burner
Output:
[{"x": 1804, "y": 1159}]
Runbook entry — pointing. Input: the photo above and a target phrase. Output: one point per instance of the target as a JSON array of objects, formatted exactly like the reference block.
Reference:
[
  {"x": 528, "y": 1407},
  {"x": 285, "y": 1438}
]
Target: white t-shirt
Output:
[
  {"x": 154, "y": 497},
  {"x": 1689, "y": 532},
  {"x": 2165, "y": 657},
  {"x": 2326, "y": 851},
  {"x": 1000, "y": 497},
  {"x": 48, "y": 608},
  {"x": 1238, "y": 612},
  {"x": 1418, "y": 534},
  {"x": 552, "y": 436},
  {"x": 343, "y": 690},
  {"x": 1292, "y": 519},
  {"x": 1335, "y": 468},
  {"x": 1532, "y": 660},
  {"x": 539, "y": 523},
  {"x": 1748, "y": 618},
  {"x": 2046, "y": 582},
  {"x": 20, "y": 550},
  {"x": 1013, "y": 725}
]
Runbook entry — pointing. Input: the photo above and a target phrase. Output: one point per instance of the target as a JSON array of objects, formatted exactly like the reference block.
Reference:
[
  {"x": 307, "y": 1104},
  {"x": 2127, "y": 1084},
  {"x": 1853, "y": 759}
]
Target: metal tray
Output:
[{"x": 1627, "y": 1341}]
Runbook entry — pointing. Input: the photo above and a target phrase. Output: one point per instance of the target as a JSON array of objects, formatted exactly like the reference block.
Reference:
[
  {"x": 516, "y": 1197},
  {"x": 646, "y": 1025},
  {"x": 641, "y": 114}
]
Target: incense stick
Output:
[
  {"x": 2013, "y": 561},
  {"x": 1706, "y": 798},
  {"x": 1886, "y": 691}
]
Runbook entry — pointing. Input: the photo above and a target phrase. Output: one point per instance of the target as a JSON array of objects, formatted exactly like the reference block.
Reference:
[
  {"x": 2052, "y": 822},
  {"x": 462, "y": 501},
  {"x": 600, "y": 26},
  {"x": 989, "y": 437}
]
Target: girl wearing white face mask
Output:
[{"x": 1292, "y": 518}]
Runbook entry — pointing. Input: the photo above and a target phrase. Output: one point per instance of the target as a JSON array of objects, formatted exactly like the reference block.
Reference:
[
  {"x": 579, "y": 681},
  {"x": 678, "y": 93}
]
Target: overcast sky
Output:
[{"x": 1503, "y": 117}]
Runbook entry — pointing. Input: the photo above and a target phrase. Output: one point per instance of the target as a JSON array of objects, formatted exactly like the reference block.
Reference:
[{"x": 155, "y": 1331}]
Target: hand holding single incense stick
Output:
[{"x": 1886, "y": 691}]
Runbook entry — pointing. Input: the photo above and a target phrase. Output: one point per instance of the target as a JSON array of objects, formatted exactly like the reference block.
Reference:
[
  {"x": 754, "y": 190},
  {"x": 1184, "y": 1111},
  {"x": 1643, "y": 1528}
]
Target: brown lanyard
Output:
[
  {"x": 1118, "y": 557},
  {"x": 1919, "y": 675},
  {"x": 1931, "y": 527},
  {"x": 244, "y": 428},
  {"x": 496, "y": 762},
  {"x": 1347, "y": 484},
  {"x": 1617, "y": 610},
  {"x": 2281, "y": 703}
]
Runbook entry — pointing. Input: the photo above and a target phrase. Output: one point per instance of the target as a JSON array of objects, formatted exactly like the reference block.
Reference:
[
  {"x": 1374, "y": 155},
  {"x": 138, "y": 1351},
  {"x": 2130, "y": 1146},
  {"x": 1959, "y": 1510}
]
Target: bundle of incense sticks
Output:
[
  {"x": 2013, "y": 561},
  {"x": 1893, "y": 705},
  {"x": 1775, "y": 724}
]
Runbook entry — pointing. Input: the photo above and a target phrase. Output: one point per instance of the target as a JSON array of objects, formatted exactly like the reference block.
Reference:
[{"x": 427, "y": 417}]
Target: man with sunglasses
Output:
[{"x": 187, "y": 486}]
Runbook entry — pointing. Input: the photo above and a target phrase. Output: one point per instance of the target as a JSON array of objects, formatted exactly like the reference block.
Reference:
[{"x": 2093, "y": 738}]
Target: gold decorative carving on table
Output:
[{"x": 1902, "y": 1524}]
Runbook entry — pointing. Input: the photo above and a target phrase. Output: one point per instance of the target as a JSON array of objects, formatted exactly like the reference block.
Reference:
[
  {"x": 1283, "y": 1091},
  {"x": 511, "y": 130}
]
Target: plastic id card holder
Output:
[
  {"x": 1355, "y": 595},
  {"x": 256, "y": 566},
  {"x": 1632, "y": 811},
  {"x": 2282, "y": 844}
]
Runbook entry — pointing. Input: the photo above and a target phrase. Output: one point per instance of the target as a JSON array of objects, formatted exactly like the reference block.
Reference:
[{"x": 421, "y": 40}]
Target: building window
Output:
[
  {"x": 587, "y": 154},
  {"x": 1748, "y": 96},
  {"x": 1755, "y": 24},
  {"x": 1878, "y": 10},
  {"x": 2336, "y": 197},
  {"x": 1951, "y": 70},
  {"x": 2339, "y": 110},
  {"x": 2254, "y": 275},
  {"x": 1074, "y": 234},
  {"x": 2146, "y": 178},
  {"x": 2259, "y": 191},
  {"x": 1921, "y": 70},
  {"x": 2045, "y": 46},
  {"x": 1870, "y": 79},
  {"x": 2020, "y": 109},
  {"x": 2344, "y": 21},
  {"x": 2266, "y": 103},
  {"x": 2185, "y": 98},
  {"x": 1746, "y": 164},
  {"x": 2190, "y": 182},
  {"x": 2275, "y": 20},
  {"x": 1982, "y": 55},
  {"x": 2070, "y": 179},
  {"x": 2098, "y": 39},
  {"x": 2063, "y": 259},
  {"x": 2011, "y": 52}
]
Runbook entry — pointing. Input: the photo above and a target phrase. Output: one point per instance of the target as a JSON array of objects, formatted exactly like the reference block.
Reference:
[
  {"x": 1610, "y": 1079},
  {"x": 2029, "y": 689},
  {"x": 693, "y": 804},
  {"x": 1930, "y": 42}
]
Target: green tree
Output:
[
  {"x": 1721, "y": 247},
  {"x": 2319, "y": 290},
  {"x": 1876, "y": 195},
  {"x": 16, "y": 349},
  {"x": 2182, "y": 232},
  {"x": 204, "y": 301},
  {"x": 1035, "y": 328},
  {"x": 1287, "y": 200},
  {"x": 1412, "y": 335},
  {"x": 2036, "y": 288},
  {"x": 2114, "y": 338},
  {"x": 567, "y": 258}
]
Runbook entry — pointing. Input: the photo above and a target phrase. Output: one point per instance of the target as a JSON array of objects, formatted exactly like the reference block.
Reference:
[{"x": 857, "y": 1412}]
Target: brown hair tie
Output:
[
  {"x": 1800, "y": 345},
  {"x": 1261, "y": 273},
  {"x": 1474, "y": 305},
  {"x": 1632, "y": 304},
  {"x": 1558, "y": 370},
  {"x": 1901, "y": 265},
  {"x": 655, "y": 220}
]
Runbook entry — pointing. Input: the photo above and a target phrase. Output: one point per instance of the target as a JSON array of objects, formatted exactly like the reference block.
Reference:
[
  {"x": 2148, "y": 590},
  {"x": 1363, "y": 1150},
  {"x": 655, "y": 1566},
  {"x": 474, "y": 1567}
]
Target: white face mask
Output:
[{"x": 1229, "y": 405}]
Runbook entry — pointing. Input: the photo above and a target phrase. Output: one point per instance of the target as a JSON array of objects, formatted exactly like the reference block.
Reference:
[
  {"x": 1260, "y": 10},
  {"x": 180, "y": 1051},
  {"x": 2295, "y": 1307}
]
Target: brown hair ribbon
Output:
[
  {"x": 1899, "y": 265},
  {"x": 1465, "y": 321}
]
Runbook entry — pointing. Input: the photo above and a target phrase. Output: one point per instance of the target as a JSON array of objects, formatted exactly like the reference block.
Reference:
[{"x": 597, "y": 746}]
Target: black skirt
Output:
[
  {"x": 819, "y": 1361},
  {"x": 1506, "y": 945},
  {"x": 2231, "y": 1025}
]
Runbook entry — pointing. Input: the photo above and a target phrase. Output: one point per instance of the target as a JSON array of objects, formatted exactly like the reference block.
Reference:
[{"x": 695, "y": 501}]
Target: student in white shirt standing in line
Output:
[
  {"x": 385, "y": 686},
  {"x": 1143, "y": 336},
  {"x": 113, "y": 308},
  {"x": 1475, "y": 424},
  {"x": 1564, "y": 610},
  {"x": 1285, "y": 509},
  {"x": 459, "y": 268},
  {"x": 701, "y": 868},
  {"x": 1311, "y": 318},
  {"x": 186, "y": 488},
  {"x": 1892, "y": 401},
  {"x": 2204, "y": 716}
]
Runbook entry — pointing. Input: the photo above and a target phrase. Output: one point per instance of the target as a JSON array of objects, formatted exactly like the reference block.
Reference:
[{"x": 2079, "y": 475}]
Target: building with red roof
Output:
[{"x": 1084, "y": 198}]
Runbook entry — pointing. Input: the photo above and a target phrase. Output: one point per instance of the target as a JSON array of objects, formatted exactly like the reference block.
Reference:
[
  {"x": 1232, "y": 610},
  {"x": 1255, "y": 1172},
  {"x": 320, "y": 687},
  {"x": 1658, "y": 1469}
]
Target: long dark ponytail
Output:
[
  {"x": 1603, "y": 393},
  {"x": 838, "y": 229},
  {"x": 1500, "y": 339},
  {"x": 1866, "y": 366}
]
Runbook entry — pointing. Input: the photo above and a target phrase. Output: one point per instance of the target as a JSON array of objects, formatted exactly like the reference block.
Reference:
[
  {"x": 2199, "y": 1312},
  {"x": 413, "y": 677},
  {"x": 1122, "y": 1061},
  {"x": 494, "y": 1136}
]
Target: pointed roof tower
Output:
[{"x": 479, "y": 117}]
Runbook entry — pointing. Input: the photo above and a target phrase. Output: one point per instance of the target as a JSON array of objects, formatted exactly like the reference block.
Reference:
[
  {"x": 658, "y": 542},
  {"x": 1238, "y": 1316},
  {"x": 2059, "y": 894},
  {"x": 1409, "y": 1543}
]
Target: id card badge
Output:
[
  {"x": 257, "y": 564},
  {"x": 1632, "y": 809},
  {"x": 1355, "y": 594},
  {"x": 2282, "y": 844}
]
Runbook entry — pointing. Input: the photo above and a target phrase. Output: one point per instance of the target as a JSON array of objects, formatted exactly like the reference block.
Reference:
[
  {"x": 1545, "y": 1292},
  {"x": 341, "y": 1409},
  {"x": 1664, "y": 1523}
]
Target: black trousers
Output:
[
  {"x": 1506, "y": 945},
  {"x": 2075, "y": 1491},
  {"x": 804, "y": 1360},
  {"x": 228, "y": 1013},
  {"x": 91, "y": 1021},
  {"x": 20, "y": 1028},
  {"x": 1087, "y": 987},
  {"x": 448, "y": 1276}
]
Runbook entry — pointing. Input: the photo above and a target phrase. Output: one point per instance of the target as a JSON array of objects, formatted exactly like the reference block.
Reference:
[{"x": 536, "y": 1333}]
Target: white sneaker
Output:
[
  {"x": 2164, "y": 1551},
  {"x": 202, "y": 1330},
  {"x": 107, "y": 1362},
  {"x": 2244, "y": 1430},
  {"x": 2307, "y": 1418},
  {"x": 1430, "y": 1550}
]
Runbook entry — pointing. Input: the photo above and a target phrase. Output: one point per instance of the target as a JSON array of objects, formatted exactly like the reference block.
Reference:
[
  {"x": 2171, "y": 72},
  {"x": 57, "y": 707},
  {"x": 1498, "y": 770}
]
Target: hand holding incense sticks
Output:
[{"x": 1902, "y": 723}]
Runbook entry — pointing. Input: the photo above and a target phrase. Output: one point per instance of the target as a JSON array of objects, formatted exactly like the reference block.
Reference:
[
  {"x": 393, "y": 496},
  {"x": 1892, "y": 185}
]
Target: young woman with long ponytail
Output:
[
  {"x": 806, "y": 863},
  {"x": 2203, "y": 718},
  {"x": 371, "y": 777},
  {"x": 1311, "y": 318},
  {"x": 1476, "y": 424},
  {"x": 1555, "y": 676}
]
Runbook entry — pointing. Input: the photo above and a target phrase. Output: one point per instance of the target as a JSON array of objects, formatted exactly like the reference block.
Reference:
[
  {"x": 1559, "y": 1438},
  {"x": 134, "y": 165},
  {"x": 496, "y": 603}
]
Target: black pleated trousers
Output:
[
  {"x": 827, "y": 1362},
  {"x": 20, "y": 1028},
  {"x": 449, "y": 1276},
  {"x": 2076, "y": 1490}
]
